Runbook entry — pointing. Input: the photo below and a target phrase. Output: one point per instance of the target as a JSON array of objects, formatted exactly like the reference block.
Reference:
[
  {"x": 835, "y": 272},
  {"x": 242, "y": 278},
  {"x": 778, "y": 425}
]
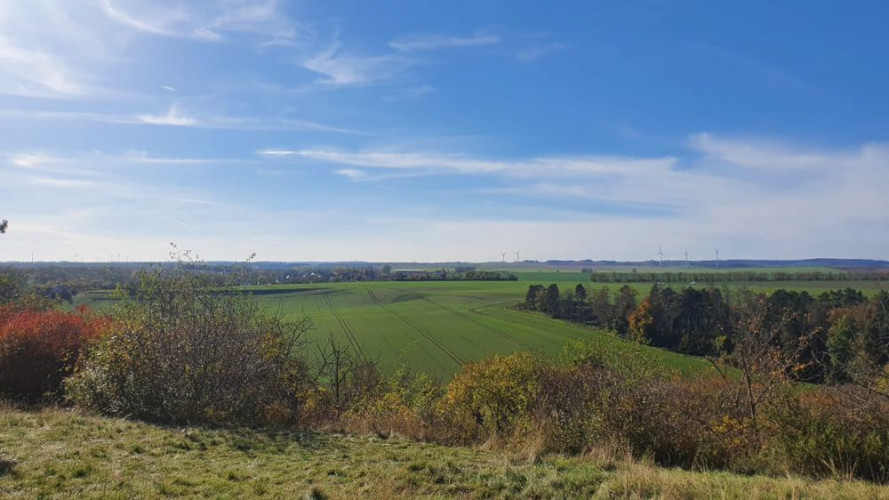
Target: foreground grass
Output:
[{"x": 62, "y": 454}]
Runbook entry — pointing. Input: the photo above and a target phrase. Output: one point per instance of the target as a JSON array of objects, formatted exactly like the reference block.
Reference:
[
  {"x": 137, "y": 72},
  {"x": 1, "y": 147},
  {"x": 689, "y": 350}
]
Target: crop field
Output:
[{"x": 436, "y": 326}]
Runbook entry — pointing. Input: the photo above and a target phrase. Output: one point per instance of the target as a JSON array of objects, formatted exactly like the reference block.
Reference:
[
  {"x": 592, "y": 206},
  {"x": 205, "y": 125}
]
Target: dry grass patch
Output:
[{"x": 61, "y": 454}]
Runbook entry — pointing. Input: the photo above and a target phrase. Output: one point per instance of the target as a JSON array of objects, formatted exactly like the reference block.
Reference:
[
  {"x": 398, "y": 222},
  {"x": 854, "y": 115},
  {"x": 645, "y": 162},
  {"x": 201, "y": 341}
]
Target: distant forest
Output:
[
  {"x": 64, "y": 282},
  {"x": 734, "y": 276},
  {"x": 838, "y": 336}
]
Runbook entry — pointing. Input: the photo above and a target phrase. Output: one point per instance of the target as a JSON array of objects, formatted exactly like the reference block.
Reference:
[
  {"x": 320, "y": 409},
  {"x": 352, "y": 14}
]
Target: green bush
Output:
[
  {"x": 497, "y": 392},
  {"x": 180, "y": 350}
]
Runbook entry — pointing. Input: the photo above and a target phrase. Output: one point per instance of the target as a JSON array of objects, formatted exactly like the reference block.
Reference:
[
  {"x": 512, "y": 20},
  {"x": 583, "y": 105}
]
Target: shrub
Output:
[
  {"x": 625, "y": 405},
  {"x": 497, "y": 392},
  {"x": 590, "y": 406},
  {"x": 183, "y": 351},
  {"x": 344, "y": 378},
  {"x": 708, "y": 426},
  {"x": 838, "y": 432},
  {"x": 409, "y": 404},
  {"x": 38, "y": 349}
]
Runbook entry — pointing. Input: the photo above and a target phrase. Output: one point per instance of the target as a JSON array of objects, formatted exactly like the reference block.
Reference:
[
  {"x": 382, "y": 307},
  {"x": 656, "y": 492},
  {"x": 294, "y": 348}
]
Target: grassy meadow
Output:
[{"x": 65, "y": 454}]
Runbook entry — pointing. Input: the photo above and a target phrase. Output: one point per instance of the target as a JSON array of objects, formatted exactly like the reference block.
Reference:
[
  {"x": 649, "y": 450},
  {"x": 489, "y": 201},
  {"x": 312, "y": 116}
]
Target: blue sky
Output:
[{"x": 427, "y": 131}]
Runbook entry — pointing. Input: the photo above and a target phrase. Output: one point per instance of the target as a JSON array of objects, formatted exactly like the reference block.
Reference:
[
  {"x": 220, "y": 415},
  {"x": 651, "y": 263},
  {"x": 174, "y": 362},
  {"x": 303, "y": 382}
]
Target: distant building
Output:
[{"x": 410, "y": 272}]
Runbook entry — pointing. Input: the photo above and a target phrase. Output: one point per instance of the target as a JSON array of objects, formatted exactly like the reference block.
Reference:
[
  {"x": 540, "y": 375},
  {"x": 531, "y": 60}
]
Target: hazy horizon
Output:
[{"x": 530, "y": 264}]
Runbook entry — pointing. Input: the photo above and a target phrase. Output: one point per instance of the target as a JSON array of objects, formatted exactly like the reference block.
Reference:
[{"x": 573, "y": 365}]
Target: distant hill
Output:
[{"x": 732, "y": 263}]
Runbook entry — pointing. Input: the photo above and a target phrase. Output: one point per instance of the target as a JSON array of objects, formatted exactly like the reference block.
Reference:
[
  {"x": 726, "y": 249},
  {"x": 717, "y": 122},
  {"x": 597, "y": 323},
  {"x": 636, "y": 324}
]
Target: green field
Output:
[{"x": 436, "y": 326}]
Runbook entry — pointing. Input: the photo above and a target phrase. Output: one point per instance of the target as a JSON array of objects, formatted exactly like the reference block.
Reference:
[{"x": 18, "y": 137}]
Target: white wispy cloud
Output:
[
  {"x": 276, "y": 152},
  {"x": 433, "y": 41},
  {"x": 708, "y": 158},
  {"x": 352, "y": 173},
  {"x": 177, "y": 117},
  {"x": 840, "y": 201},
  {"x": 96, "y": 163},
  {"x": 207, "y": 203},
  {"x": 33, "y": 160},
  {"x": 56, "y": 182},
  {"x": 155, "y": 21},
  {"x": 730, "y": 188},
  {"x": 43, "y": 162},
  {"x": 591, "y": 209},
  {"x": 35, "y": 73},
  {"x": 66, "y": 50},
  {"x": 206, "y": 21},
  {"x": 61, "y": 206},
  {"x": 174, "y": 117},
  {"x": 143, "y": 157},
  {"x": 767, "y": 154},
  {"x": 536, "y": 52},
  {"x": 438, "y": 162},
  {"x": 340, "y": 67},
  {"x": 47, "y": 52}
]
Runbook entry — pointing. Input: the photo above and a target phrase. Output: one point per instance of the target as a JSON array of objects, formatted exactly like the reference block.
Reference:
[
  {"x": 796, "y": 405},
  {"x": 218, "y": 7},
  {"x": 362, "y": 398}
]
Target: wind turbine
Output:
[
  {"x": 503, "y": 256},
  {"x": 717, "y": 258},
  {"x": 660, "y": 256},
  {"x": 686, "y": 258},
  {"x": 517, "y": 259}
]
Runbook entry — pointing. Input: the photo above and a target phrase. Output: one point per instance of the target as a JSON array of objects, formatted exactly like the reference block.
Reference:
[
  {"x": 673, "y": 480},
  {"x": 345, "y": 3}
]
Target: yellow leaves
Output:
[
  {"x": 882, "y": 382},
  {"x": 641, "y": 321},
  {"x": 733, "y": 432},
  {"x": 498, "y": 389}
]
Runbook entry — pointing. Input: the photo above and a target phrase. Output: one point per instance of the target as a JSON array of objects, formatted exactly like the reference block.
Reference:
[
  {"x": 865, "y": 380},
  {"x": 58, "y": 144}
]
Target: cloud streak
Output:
[
  {"x": 719, "y": 186},
  {"x": 427, "y": 42},
  {"x": 534, "y": 53},
  {"x": 437, "y": 163},
  {"x": 175, "y": 116},
  {"x": 35, "y": 73},
  {"x": 209, "y": 21},
  {"x": 340, "y": 68}
]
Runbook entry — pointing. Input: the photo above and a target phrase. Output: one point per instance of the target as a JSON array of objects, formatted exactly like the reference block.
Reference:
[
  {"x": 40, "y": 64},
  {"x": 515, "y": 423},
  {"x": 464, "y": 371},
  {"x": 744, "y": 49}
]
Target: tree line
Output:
[
  {"x": 62, "y": 279},
  {"x": 839, "y": 336},
  {"x": 735, "y": 276}
]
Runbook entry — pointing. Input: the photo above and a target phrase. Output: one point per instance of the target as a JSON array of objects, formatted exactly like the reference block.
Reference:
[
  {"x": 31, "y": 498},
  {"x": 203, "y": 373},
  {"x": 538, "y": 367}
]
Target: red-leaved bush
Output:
[{"x": 38, "y": 349}]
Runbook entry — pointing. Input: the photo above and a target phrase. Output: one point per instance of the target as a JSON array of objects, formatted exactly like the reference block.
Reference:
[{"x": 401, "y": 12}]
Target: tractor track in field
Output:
[
  {"x": 461, "y": 314},
  {"x": 428, "y": 336},
  {"x": 451, "y": 354},
  {"x": 345, "y": 326},
  {"x": 475, "y": 310}
]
